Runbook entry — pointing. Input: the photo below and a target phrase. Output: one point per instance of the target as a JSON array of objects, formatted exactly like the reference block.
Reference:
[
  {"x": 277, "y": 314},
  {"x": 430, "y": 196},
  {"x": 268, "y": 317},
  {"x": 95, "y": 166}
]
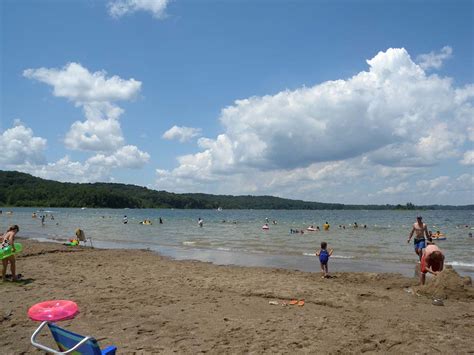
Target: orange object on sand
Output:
[
  {"x": 293, "y": 302},
  {"x": 301, "y": 303}
]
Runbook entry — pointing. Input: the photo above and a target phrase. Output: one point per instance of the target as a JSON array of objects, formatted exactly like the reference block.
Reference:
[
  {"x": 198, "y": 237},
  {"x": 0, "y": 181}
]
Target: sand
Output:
[{"x": 145, "y": 303}]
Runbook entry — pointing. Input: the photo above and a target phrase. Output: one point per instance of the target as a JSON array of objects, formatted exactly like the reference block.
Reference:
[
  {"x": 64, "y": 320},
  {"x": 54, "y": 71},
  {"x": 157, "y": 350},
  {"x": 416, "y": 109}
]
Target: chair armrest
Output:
[
  {"x": 110, "y": 350},
  {"x": 48, "y": 349}
]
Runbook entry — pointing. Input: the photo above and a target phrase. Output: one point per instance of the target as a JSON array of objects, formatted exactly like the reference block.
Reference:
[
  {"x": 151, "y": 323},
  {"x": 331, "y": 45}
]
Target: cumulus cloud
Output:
[
  {"x": 438, "y": 190},
  {"x": 95, "y": 135},
  {"x": 100, "y": 133},
  {"x": 128, "y": 156},
  {"x": 20, "y": 146},
  {"x": 119, "y": 8},
  {"x": 444, "y": 186},
  {"x": 394, "y": 190},
  {"x": 468, "y": 158},
  {"x": 392, "y": 119},
  {"x": 183, "y": 134},
  {"x": 432, "y": 184},
  {"x": 22, "y": 151},
  {"x": 96, "y": 94},
  {"x": 68, "y": 170},
  {"x": 77, "y": 84},
  {"x": 433, "y": 59},
  {"x": 436, "y": 143}
]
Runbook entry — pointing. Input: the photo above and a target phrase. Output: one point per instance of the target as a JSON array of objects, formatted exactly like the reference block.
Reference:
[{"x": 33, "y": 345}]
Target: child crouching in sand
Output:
[
  {"x": 324, "y": 255},
  {"x": 432, "y": 261}
]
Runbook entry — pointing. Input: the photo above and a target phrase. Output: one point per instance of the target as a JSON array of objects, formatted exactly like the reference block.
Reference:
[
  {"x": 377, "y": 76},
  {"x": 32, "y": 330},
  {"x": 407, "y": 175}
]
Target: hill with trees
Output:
[{"x": 20, "y": 189}]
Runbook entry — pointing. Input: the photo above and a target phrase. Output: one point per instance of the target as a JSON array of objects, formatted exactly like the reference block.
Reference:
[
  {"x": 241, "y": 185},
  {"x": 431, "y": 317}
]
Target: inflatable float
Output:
[
  {"x": 7, "y": 251},
  {"x": 311, "y": 229},
  {"x": 438, "y": 236},
  {"x": 53, "y": 311}
]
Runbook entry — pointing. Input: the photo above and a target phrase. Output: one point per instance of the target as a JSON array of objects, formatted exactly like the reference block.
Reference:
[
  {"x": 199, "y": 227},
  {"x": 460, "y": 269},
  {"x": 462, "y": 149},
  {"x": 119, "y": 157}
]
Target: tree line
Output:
[{"x": 24, "y": 190}]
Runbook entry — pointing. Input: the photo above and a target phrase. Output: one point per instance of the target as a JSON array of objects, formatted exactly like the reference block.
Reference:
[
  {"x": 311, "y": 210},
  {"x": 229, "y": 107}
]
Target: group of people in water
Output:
[
  {"x": 43, "y": 217},
  {"x": 430, "y": 256},
  {"x": 325, "y": 226},
  {"x": 146, "y": 221}
]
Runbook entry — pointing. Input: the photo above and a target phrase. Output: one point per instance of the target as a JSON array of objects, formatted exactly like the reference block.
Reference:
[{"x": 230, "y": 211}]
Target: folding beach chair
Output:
[
  {"x": 71, "y": 343},
  {"x": 81, "y": 237}
]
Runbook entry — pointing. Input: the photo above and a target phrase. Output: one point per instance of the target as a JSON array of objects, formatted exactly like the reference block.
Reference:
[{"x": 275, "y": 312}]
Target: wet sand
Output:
[{"x": 145, "y": 303}]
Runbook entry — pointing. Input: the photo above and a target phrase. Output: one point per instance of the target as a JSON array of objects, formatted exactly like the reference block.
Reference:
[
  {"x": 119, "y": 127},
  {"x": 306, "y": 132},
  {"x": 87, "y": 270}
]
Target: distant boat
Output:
[
  {"x": 83, "y": 208},
  {"x": 219, "y": 209}
]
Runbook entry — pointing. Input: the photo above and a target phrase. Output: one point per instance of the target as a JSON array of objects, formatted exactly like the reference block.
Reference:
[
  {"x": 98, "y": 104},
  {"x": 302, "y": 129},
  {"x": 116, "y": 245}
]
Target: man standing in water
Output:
[{"x": 420, "y": 230}]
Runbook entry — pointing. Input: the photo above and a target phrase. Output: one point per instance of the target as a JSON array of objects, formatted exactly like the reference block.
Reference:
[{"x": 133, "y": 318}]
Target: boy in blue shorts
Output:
[{"x": 324, "y": 255}]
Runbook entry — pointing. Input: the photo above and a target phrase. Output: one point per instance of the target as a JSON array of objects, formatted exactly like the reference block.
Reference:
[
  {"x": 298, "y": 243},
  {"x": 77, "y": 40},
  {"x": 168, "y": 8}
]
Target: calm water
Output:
[{"x": 240, "y": 240}]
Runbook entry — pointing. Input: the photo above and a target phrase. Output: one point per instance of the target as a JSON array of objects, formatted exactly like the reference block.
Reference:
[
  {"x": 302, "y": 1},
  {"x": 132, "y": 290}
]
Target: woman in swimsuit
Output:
[{"x": 8, "y": 239}]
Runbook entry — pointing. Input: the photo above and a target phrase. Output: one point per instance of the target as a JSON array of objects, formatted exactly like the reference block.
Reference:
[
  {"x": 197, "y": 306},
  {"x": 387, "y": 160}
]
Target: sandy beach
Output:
[{"x": 145, "y": 303}]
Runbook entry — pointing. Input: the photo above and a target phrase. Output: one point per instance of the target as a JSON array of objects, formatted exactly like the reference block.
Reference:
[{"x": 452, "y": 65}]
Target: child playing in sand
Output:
[
  {"x": 324, "y": 255},
  {"x": 432, "y": 261}
]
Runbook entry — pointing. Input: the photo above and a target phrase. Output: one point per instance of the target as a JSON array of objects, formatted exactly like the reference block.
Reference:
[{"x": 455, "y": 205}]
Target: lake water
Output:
[{"x": 240, "y": 240}]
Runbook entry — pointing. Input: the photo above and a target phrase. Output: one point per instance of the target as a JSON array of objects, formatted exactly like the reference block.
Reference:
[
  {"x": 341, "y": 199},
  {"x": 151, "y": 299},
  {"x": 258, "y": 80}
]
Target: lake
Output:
[{"x": 236, "y": 236}]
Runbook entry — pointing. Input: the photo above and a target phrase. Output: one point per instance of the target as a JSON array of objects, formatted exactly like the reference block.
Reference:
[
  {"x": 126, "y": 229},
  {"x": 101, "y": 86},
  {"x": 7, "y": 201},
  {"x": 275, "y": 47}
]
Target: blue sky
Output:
[{"x": 335, "y": 101}]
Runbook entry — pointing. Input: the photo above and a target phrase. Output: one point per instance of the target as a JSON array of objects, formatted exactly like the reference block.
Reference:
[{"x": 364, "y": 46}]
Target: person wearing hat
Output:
[{"x": 420, "y": 230}]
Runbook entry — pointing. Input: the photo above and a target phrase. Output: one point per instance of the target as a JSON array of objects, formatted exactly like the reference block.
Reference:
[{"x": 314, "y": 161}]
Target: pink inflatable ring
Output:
[{"x": 53, "y": 311}]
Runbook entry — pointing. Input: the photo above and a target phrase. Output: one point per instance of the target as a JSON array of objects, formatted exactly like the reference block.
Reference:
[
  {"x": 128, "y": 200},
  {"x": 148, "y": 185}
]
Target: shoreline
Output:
[
  {"x": 144, "y": 302},
  {"x": 377, "y": 249},
  {"x": 303, "y": 262}
]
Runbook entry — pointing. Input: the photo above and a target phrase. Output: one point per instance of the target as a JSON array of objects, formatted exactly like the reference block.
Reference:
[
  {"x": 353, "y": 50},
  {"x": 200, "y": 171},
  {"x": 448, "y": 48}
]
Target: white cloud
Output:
[
  {"x": 183, "y": 134},
  {"x": 96, "y": 94},
  {"x": 436, "y": 183},
  {"x": 77, "y": 84},
  {"x": 128, "y": 156},
  {"x": 464, "y": 183},
  {"x": 435, "y": 143},
  {"x": 337, "y": 181},
  {"x": 391, "y": 120},
  {"x": 118, "y": 8},
  {"x": 468, "y": 158},
  {"x": 22, "y": 151},
  {"x": 442, "y": 187},
  {"x": 433, "y": 59},
  {"x": 438, "y": 190},
  {"x": 100, "y": 132},
  {"x": 95, "y": 135},
  {"x": 67, "y": 170},
  {"x": 18, "y": 145},
  {"x": 394, "y": 190}
]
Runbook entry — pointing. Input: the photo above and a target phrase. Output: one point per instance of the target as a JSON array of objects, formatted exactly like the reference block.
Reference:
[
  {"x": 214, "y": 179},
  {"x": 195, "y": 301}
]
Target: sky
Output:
[{"x": 361, "y": 102}]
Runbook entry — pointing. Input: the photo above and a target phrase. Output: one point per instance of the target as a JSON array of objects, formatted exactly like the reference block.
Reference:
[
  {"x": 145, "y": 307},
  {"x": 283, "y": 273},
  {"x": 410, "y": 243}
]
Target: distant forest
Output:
[{"x": 24, "y": 190}]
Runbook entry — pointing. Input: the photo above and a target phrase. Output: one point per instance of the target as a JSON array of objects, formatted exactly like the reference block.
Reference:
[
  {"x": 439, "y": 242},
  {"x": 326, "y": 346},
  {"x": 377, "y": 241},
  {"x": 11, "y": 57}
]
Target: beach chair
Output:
[
  {"x": 71, "y": 343},
  {"x": 81, "y": 237}
]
